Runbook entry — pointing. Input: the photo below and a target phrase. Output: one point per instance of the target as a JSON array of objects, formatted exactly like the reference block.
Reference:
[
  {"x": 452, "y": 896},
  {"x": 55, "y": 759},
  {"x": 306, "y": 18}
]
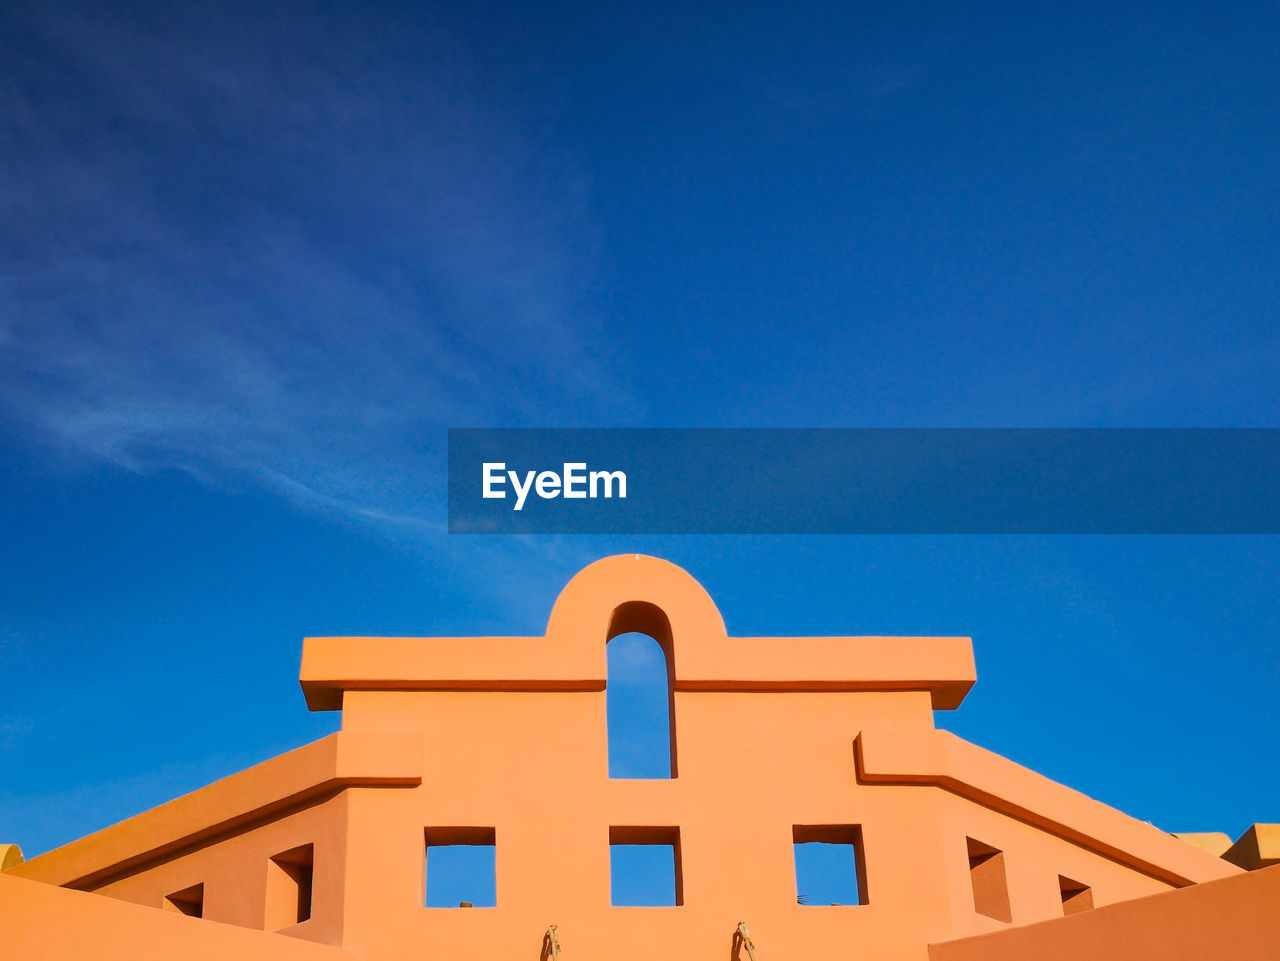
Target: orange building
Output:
[{"x": 501, "y": 742}]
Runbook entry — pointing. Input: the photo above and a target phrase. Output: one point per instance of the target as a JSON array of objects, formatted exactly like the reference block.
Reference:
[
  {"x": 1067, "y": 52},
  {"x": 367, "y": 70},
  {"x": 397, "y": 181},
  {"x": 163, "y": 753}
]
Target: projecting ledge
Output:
[
  {"x": 346, "y": 759},
  {"x": 943, "y": 666},
  {"x": 940, "y": 759}
]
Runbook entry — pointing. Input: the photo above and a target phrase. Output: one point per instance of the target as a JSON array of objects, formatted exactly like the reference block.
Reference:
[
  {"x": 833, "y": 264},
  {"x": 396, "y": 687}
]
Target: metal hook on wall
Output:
[{"x": 551, "y": 944}]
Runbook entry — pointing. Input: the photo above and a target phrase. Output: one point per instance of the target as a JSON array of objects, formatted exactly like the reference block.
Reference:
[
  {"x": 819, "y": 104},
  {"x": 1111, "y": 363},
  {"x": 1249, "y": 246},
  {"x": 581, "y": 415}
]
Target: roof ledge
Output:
[
  {"x": 338, "y": 761},
  {"x": 634, "y": 592},
  {"x": 941, "y": 759},
  {"x": 1258, "y": 847}
]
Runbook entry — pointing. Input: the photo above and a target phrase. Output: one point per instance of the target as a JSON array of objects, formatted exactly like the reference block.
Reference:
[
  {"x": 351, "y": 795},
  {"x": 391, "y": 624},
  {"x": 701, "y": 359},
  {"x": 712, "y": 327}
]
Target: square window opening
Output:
[
  {"x": 1076, "y": 897},
  {"x": 830, "y": 869},
  {"x": 460, "y": 867},
  {"x": 188, "y": 901},
  {"x": 987, "y": 876},
  {"x": 644, "y": 867},
  {"x": 289, "y": 880}
]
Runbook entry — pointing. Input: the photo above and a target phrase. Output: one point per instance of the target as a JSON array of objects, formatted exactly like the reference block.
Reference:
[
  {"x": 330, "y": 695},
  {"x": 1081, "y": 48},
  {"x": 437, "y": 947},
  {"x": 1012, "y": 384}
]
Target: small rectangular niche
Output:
[
  {"x": 644, "y": 867},
  {"x": 830, "y": 869},
  {"x": 188, "y": 901},
  {"x": 986, "y": 874},
  {"x": 1076, "y": 897},
  {"x": 289, "y": 881},
  {"x": 460, "y": 867}
]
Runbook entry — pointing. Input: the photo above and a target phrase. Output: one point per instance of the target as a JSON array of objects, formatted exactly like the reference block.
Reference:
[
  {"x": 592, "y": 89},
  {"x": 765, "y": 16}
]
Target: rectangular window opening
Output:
[
  {"x": 986, "y": 874},
  {"x": 289, "y": 880},
  {"x": 644, "y": 867},
  {"x": 1076, "y": 897},
  {"x": 460, "y": 867},
  {"x": 830, "y": 869},
  {"x": 188, "y": 901}
]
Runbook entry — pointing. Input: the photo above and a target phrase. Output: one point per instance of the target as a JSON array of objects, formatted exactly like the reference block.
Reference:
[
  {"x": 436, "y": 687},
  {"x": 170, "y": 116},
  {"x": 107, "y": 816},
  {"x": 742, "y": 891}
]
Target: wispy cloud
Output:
[{"x": 285, "y": 249}]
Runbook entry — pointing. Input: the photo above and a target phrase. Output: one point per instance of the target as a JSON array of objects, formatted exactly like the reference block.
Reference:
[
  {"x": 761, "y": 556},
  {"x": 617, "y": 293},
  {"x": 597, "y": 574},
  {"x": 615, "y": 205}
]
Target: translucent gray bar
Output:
[{"x": 866, "y": 481}]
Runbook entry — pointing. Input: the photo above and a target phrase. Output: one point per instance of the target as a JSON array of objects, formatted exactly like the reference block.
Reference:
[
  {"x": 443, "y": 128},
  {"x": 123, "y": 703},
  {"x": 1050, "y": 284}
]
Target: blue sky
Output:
[{"x": 255, "y": 261}]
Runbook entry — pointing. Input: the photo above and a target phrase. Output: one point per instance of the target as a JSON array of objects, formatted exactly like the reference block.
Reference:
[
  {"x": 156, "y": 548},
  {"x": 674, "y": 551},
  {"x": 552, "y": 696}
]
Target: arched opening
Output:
[{"x": 638, "y": 693}]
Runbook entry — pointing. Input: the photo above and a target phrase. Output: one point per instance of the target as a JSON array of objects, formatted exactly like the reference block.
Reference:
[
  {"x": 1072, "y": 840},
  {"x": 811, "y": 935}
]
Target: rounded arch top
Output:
[
  {"x": 635, "y": 592},
  {"x": 10, "y": 856},
  {"x": 646, "y": 595}
]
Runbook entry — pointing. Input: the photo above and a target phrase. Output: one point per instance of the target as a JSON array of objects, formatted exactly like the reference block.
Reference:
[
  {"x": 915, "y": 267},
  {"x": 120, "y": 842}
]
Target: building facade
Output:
[{"x": 501, "y": 743}]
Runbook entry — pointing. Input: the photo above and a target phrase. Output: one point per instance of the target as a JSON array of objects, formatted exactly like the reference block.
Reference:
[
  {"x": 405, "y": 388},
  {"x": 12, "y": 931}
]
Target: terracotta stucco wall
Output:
[
  {"x": 49, "y": 923},
  {"x": 235, "y": 872},
  {"x": 510, "y": 734},
  {"x": 1231, "y": 919}
]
